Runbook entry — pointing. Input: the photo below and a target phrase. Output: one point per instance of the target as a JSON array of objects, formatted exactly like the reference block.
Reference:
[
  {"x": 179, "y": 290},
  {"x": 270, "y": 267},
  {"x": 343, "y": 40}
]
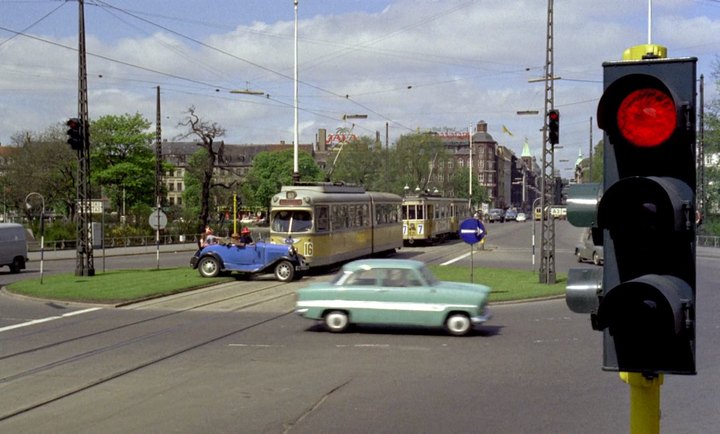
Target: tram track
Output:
[{"x": 66, "y": 359}]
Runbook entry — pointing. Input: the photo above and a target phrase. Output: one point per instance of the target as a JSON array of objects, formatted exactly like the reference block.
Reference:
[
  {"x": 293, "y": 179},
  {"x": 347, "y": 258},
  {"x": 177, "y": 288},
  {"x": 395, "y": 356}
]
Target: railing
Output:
[
  {"x": 110, "y": 242},
  {"x": 708, "y": 241}
]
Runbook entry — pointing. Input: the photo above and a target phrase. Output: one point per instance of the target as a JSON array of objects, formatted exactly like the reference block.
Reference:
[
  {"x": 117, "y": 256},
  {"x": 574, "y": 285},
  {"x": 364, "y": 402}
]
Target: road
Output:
[{"x": 233, "y": 359}]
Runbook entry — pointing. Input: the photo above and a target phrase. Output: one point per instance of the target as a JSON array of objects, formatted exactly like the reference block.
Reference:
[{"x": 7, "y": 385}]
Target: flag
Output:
[{"x": 505, "y": 130}]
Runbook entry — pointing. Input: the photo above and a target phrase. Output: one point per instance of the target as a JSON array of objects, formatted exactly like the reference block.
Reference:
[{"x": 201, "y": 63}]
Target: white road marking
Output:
[
  {"x": 456, "y": 259},
  {"x": 50, "y": 318}
]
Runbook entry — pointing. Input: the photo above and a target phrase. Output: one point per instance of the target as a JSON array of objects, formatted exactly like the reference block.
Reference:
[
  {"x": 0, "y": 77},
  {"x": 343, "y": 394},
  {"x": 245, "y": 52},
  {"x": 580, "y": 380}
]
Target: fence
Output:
[
  {"x": 708, "y": 241},
  {"x": 110, "y": 242}
]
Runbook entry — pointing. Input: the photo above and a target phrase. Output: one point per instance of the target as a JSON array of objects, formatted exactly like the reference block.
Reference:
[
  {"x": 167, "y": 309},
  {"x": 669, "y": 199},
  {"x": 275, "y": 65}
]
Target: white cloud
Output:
[{"x": 419, "y": 63}]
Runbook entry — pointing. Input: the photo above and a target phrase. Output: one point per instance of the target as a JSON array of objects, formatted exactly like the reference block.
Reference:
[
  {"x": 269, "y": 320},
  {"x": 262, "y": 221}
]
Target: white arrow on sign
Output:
[{"x": 476, "y": 231}]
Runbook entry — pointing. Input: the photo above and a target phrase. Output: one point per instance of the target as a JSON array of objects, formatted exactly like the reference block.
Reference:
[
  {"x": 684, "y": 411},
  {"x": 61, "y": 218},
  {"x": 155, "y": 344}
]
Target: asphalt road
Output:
[{"x": 233, "y": 359}]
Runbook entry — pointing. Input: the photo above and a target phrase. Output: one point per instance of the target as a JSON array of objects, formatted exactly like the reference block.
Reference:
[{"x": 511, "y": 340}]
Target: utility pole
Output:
[
  {"x": 84, "y": 264},
  {"x": 590, "y": 154},
  {"x": 547, "y": 246}
]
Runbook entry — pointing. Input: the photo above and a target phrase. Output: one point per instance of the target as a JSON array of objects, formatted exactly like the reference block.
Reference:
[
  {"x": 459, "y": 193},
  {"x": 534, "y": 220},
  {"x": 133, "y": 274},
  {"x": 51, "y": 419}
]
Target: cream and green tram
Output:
[
  {"x": 430, "y": 218},
  {"x": 329, "y": 223}
]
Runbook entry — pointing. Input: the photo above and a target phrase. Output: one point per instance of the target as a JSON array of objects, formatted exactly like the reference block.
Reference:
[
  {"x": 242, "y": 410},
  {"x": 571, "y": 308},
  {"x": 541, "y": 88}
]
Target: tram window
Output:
[
  {"x": 323, "y": 220},
  {"x": 420, "y": 212},
  {"x": 411, "y": 212},
  {"x": 281, "y": 221},
  {"x": 302, "y": 221}
]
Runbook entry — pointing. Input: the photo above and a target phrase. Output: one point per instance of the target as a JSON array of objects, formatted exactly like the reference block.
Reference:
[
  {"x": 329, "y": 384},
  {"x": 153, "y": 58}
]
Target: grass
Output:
[
  {"x": 117, "y": 287},
  {"x": 506, "y": 284}
]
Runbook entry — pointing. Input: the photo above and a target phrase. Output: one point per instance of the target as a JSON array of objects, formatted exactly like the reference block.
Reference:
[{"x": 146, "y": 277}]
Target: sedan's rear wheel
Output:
[
  {"x": 336, "y": 321},
  {"x": 596, "y": 258},
  {"x": 458, "y": 324},
  {"x": 284, "y": 271},
  {"x": 209, "y": 267}
]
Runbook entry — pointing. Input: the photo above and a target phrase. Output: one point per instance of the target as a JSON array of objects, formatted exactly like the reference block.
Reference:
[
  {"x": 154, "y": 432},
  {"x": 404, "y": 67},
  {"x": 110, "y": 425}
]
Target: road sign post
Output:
[{"x": 472, "y": 231}]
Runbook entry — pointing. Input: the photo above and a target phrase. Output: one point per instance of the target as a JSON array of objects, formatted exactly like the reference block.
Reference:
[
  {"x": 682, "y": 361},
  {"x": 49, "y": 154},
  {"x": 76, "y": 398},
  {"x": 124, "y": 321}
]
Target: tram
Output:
[
  {"x": 331, "y": 222},
  {"x": 430, "y": 218}
]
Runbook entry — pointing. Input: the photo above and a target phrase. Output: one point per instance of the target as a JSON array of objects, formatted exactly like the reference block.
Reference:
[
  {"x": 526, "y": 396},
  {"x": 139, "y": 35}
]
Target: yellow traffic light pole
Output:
[
  {"x": 644, "y": 402},
  {"x": 644, "y": 390}
]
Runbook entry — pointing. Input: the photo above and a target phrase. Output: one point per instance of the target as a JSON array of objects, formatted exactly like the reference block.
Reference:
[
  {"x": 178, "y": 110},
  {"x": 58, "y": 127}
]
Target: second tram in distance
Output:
[
  {"x": 330, "y": 223},
  {"x": 429, "y": 218}
]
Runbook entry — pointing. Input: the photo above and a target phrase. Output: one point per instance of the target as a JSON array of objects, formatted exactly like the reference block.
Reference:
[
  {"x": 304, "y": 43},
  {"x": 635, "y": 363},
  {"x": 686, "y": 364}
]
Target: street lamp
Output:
[{"x": 42, "y": 228}]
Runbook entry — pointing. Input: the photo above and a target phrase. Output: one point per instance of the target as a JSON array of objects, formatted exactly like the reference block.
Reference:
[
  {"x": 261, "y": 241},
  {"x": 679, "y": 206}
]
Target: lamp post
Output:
[
  {"x": 42, "y": 228},
  {"x": 296, "y": 170}
]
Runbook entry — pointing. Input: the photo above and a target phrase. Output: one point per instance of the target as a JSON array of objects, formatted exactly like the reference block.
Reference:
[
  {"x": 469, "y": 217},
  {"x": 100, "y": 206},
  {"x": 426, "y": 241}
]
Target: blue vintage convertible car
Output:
[{"x": 261, "y": 257}]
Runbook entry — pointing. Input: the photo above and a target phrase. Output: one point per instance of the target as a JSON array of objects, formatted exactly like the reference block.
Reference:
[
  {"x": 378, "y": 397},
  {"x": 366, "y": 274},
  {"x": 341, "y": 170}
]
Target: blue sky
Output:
[{"x": 407, "y": 64}]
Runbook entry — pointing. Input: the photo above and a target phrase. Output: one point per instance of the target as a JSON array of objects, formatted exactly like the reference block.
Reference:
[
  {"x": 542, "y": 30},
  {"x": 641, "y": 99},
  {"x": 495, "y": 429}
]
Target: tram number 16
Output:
[{"x": 307, "y": 249}]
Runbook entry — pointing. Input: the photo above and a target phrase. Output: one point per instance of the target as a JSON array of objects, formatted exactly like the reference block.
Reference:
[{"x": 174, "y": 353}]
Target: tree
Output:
[
  {"x": 271, "y": 170},
  {"x": 207, "y": 132},
  {"x": 55, "y": 181},
  {"x": 459, "y": 184},
  {"x": 122, "y": 160},
  {"x": 418, "y": 154},
  {"x": 358, "y": 163}
]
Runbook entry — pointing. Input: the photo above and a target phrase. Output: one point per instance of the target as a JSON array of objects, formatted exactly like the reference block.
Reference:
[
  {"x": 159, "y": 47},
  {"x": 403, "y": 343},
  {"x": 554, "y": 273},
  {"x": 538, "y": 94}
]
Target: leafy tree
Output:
[
  {"x": 417, "y": 154},
  {"x": 122, "y": 160},
  {"x": 271, "y": 170},
  {"x": 711, "y": 220},
  {"x": 41, "y": 163},
  {"x": 459, "y": 188},
  {"x": 358, "y": 163}
]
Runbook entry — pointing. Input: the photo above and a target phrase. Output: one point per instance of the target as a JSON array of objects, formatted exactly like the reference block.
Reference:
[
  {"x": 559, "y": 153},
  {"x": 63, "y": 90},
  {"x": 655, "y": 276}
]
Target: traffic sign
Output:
[
  {"x": 158, "y": 219},
  {"x": 472, "y": 231}
]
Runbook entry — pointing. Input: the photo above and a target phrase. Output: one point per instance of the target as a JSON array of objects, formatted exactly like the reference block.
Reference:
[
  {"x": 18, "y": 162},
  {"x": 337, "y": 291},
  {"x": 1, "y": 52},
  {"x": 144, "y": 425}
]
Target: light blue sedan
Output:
[{"x": 393, "y": 292}]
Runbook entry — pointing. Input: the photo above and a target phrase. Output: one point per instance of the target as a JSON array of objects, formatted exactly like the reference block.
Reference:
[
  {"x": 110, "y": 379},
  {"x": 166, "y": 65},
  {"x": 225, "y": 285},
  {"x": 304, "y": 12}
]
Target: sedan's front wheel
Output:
[
  {"x": 458, "y": 324},
  {"x": 337, "y": 321}
]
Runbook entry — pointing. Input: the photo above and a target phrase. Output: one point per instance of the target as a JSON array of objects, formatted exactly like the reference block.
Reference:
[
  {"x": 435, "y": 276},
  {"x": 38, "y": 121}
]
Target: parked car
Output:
[
  {"x": 13, "y": 246},
  {"x": 510, "y": 215},
  {"x": 393, "y": 292},
  {"x": 496, "y": 215},
  {"x": 521, "y": 217},
  {"x": 256, "y": 258},
  {"x": 586, "y": 250}
]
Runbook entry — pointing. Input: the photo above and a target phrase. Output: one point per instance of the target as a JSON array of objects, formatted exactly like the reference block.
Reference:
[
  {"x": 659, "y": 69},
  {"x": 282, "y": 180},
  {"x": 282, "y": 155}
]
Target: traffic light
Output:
[
  {"x": 553, "y": 123},
  {"x": 75, "y": 133},
  {"x": 647, "y": 216}
]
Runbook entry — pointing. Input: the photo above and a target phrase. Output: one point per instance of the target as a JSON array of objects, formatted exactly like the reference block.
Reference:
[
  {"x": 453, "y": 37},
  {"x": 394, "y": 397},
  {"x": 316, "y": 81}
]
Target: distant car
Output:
[
  {"x": 393, "y": 292},
  {"x": 586, "y": 250},
  {"x": 510, "y": 215},
  {"x": 521, "y": 217},
  {"x": 257, "y": 258},
  {"x": 495, "y": 215}
]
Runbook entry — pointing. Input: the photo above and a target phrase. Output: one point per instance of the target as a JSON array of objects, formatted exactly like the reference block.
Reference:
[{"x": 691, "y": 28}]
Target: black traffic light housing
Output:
[
  {"x": 75, "y": 133},
  {"x": 553, "y": 124},
  {"x": 647, "y": 216}
]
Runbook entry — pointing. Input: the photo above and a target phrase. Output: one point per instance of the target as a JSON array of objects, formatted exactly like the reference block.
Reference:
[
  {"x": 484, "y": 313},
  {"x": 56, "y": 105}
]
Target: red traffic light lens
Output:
[
  {"x": 647, "y": 117},
  {"x": 553, "y": 115}
]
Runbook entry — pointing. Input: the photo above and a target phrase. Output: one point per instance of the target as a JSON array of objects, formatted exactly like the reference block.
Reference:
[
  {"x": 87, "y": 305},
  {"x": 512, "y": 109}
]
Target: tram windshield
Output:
[{"x": 291, "y": 221}]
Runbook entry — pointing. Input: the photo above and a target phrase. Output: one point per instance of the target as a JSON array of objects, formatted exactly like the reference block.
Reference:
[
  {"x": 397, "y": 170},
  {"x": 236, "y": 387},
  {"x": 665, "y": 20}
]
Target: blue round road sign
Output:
[{"x": 472, "y": 231}]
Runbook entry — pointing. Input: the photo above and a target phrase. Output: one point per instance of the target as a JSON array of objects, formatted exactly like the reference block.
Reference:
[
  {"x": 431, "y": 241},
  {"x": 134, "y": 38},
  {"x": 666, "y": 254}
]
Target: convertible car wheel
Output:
[
  {"x": 284, "y": 271},
  {"x": 209, "y": 267},
  {"x": 458, "y": 324},
  {"x": 336, "y": 321}
]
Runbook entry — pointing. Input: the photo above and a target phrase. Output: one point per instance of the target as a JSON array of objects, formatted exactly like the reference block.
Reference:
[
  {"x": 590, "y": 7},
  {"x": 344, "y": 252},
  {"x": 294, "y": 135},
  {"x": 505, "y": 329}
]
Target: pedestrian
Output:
[{"x": 208, "y": 237}]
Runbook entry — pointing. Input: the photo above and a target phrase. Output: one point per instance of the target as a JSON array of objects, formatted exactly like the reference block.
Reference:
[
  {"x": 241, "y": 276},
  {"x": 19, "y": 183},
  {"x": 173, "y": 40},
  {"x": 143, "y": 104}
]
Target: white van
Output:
[{"x": 13, "y": 246}]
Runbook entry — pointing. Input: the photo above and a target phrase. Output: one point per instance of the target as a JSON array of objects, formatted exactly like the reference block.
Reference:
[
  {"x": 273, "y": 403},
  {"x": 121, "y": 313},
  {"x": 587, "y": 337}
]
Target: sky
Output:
[{"x": 409, "y": 65}]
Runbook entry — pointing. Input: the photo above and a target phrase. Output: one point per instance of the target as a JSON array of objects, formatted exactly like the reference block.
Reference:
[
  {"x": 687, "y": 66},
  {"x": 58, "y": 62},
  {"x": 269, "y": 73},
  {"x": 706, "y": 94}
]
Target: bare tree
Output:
[{"x": 207, "y": 132}]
